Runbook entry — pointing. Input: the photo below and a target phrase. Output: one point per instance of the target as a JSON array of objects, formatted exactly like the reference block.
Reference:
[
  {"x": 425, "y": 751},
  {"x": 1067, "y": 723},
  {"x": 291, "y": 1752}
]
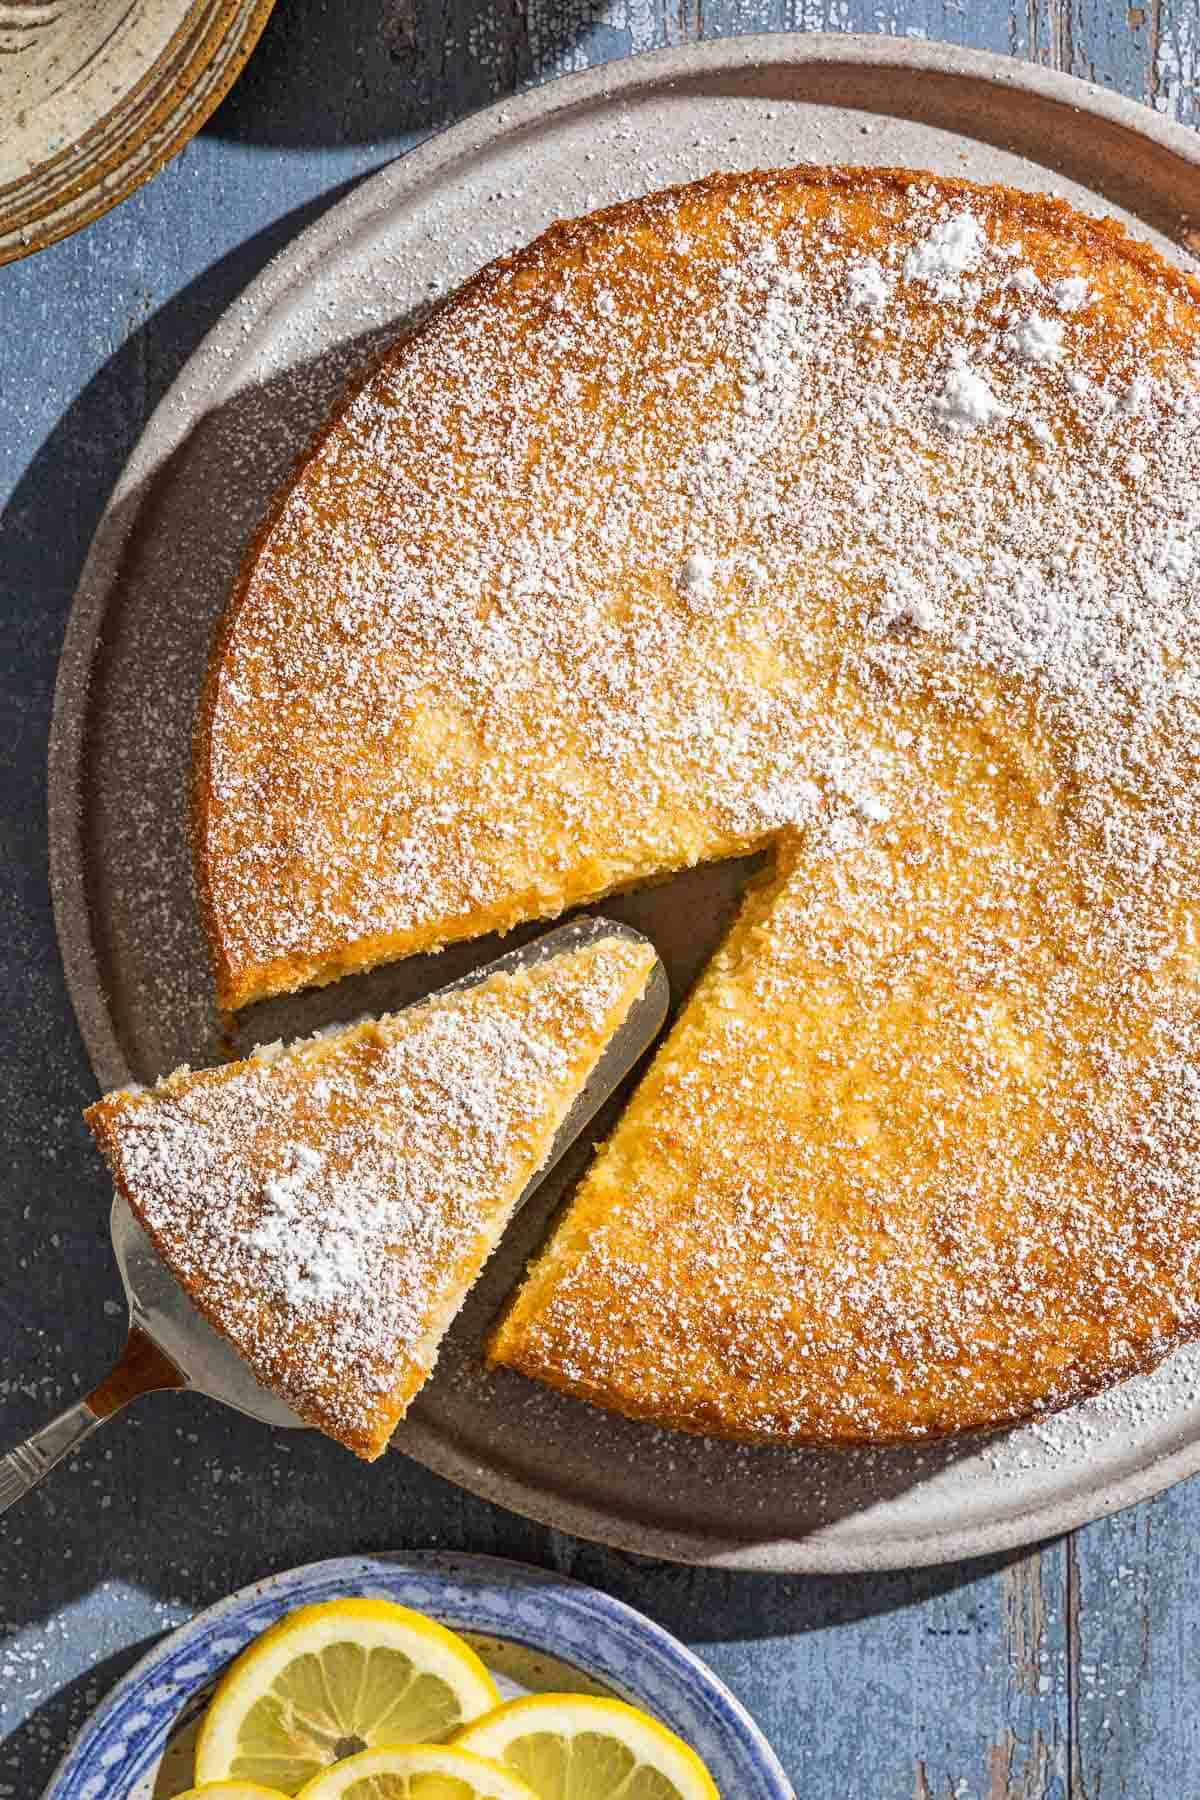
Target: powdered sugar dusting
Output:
[
  {"x": 325, "y": 1206},
  {"x": 941, "y": 256},
  {"x": 468, "y": 616}
]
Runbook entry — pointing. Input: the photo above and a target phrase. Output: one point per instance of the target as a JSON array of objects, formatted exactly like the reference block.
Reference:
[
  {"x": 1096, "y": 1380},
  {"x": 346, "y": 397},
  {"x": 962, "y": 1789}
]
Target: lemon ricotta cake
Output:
[
  {"x": 328, "y": 1206},
  {"x": 845, "y": 512}
]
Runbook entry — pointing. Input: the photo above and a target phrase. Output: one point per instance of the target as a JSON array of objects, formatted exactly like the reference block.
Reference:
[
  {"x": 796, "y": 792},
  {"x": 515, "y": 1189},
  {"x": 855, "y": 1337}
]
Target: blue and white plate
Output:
[{"x": 537, "y": 1630}]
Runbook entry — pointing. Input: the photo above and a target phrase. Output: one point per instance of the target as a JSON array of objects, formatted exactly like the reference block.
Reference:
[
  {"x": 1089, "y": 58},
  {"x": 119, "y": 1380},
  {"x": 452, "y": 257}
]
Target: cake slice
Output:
[{"x": 327, "y": 1206}]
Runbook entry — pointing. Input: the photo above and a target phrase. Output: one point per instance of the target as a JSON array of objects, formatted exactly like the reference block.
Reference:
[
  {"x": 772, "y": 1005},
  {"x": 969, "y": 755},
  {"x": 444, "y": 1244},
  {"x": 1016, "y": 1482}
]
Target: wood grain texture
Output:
[
  {"x": 1173, "y": 53},
  {"x": 1066, "y": 1672}
]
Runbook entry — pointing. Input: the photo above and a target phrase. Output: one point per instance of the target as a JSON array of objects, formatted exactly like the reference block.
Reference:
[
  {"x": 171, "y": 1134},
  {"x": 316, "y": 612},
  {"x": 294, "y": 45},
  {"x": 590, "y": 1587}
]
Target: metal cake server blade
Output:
[{"x": 171, "y": 1346}]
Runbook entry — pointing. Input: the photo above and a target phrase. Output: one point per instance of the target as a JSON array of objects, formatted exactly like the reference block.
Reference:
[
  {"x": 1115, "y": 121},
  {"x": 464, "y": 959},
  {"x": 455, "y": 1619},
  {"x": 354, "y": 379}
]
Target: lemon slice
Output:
[
  {"x": 331, "y": 1680},
  {"x": 417, "y": 1772},
  {"x": 573, "y": 1747}
]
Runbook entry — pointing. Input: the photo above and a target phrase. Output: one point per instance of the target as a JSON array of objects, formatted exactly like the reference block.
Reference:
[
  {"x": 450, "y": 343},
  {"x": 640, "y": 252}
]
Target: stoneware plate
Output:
[
  {"x": 538, "y": 1632},
  {"x": 136, "y": 647},
  {"x": 96, "y": 95}
]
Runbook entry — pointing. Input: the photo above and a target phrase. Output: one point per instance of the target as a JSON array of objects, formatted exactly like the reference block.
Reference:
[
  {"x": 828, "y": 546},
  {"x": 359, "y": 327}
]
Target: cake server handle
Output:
[{"x": 143, "y": 1369}]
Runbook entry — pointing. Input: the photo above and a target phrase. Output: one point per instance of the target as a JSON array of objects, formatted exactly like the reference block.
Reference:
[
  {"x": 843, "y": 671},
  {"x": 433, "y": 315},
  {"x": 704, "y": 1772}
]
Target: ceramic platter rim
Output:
[
  {"x": 121, "y": 143},
  {"x": 607, "y": 1639},
  {"x": 1123, "y": 131}
]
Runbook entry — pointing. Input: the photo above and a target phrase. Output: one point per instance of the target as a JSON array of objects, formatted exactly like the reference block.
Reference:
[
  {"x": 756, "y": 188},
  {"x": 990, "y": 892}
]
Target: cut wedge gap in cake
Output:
[{"x": 328, "y": 1205}]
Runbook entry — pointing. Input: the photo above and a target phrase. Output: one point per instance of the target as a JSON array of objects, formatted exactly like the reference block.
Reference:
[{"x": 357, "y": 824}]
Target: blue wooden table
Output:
[{"x": 1063, "y": 1671}]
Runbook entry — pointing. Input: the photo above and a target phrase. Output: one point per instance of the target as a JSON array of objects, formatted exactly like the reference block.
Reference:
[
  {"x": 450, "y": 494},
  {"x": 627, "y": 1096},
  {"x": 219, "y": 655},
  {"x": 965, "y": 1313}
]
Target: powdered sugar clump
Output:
[
  {"x": 1070, "y": 293},
  {"x": 905, "y": 603},
  {"x": 952, "y": 248},
  {"x": 966, "y": 402},
  {"x": 867, "y": 285},
  {"x": 696, "y": 575},
  {"x": 311, "y": 1258},
  {"x": 1036, "y": 340}
]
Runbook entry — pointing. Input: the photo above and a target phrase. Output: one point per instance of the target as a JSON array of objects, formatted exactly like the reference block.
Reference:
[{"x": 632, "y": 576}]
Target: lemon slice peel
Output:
[
  {"x": 397, "y": 1771},
  {"x": 231, "y": 1790},
  {"x": 588, "y": 1748}
]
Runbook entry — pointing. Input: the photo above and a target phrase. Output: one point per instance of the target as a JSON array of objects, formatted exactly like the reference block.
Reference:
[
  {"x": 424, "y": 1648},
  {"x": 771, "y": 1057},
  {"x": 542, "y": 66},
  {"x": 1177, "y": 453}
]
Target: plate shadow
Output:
[{"x": 375, "y": 71}]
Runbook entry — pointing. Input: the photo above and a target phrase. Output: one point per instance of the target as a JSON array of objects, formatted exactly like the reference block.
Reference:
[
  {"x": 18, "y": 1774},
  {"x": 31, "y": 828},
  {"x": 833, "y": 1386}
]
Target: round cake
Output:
[{"x": 847, "y": 512}]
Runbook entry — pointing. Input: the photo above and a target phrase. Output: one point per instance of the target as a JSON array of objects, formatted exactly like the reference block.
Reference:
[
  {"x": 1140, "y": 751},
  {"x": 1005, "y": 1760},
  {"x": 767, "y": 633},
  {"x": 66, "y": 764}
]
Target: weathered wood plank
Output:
[
  {"x": 936, "y": 1683},
  {"x": 1173, "y": 28},
  {"x": 1137, "y": 1627},
  {"x": 1106, "y": 44}
]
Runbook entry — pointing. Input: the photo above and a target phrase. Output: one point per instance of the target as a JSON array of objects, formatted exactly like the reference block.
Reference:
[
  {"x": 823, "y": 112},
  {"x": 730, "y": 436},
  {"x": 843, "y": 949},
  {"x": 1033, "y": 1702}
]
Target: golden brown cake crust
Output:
[
  {"x": 327, "y": 1207},
  {"x": 848, "y": 511}
]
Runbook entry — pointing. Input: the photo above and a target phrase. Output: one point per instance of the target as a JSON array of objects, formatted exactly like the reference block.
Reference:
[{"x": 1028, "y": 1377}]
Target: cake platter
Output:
[{"x": 156, "y": 578}]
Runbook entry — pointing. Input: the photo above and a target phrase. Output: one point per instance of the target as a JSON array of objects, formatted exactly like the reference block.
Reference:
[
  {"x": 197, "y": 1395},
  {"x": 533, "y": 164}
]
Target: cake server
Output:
[{"x": 171, "y": 1346}]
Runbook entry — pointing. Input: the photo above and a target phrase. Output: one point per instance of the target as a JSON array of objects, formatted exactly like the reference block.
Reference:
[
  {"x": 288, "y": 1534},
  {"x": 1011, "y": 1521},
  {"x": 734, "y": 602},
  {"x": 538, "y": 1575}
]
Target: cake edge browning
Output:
[
  {"x": 715, "y": 1424},
  {"x": 239, "y": 986}
]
